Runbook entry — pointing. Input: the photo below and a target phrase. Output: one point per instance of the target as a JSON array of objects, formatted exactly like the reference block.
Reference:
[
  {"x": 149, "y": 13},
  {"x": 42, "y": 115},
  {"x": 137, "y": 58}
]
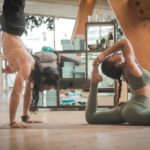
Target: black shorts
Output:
[{"x": 13, "y": 17}]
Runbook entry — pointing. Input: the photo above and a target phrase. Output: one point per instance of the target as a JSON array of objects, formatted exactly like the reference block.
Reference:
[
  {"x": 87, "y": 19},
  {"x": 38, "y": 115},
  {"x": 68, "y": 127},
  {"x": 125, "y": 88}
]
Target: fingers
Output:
[
  {"x": 99, "y": 59},
  {"x": 96, "y": 61},
  {"x": 95, "y": 64}
]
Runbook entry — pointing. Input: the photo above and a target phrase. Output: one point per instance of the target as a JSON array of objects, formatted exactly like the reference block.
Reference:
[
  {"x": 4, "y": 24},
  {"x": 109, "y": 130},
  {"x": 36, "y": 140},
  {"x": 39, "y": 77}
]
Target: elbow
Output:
[{"x": 124, "y": 43}]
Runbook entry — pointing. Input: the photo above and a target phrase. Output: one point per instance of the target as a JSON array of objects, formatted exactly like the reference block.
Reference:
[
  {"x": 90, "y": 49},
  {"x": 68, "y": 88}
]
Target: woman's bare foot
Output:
[
  {"x": 20, "y": 125},
  {"x": 96, "y": 77},
  {"x": 34, "y": 121}
]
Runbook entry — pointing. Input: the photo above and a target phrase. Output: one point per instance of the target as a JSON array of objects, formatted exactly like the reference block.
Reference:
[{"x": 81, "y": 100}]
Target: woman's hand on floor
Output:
[{"x": 20, "y": 125}]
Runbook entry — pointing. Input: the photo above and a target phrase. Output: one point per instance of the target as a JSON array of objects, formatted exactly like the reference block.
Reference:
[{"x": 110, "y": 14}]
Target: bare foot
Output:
[
  {"x": 20, "y": 125},
  {"x": 34, "y": 121},
  {"x": 96, "y": 77}
]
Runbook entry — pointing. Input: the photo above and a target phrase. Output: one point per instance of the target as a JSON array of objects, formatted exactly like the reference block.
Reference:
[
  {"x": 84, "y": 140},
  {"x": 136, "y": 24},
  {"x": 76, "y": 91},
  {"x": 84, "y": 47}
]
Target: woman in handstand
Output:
[
  {"x": 119, "y": 62},
  {"x": 28, "y": 68}
]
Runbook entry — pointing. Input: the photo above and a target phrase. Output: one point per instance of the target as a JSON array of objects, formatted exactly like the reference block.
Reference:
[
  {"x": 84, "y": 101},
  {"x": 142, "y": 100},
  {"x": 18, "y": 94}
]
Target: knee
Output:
[
  {"x": 130, "y": 115},
  {"x": 89, "y": 118}
]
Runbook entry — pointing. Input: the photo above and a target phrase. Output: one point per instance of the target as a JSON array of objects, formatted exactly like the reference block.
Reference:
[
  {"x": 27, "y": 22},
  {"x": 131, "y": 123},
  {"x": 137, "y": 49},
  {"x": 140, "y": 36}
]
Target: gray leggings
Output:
[{"x": 136, "y": 111}]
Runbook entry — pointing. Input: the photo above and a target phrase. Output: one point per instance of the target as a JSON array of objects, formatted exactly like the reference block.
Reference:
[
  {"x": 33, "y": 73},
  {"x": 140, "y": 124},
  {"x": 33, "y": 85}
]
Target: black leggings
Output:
[{"x": 13, "y": 17}]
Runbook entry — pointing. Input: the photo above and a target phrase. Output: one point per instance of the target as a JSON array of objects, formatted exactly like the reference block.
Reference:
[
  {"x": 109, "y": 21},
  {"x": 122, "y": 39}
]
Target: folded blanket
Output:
[
  {"x": 52, "y": 64},
  {"x": 46, "y": 56}
]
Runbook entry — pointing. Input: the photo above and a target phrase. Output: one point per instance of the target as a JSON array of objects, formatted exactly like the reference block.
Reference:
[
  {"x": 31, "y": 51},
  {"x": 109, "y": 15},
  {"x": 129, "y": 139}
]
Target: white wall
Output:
[{"x": 60, "y": 8}]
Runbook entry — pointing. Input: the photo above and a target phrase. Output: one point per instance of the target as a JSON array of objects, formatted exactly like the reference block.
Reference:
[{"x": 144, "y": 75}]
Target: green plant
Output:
[{"x": 36, "y": 21}]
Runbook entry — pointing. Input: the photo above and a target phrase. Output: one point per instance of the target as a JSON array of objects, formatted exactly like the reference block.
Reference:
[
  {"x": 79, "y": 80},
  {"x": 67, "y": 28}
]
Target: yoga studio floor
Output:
[{"x": 68, "y": 130}]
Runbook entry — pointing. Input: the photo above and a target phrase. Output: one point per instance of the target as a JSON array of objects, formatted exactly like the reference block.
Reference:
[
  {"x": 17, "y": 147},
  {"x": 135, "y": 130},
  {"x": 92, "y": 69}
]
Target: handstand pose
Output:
[
  {"x": 123, "y": 64},
  {"x": 28, "y": 67}
]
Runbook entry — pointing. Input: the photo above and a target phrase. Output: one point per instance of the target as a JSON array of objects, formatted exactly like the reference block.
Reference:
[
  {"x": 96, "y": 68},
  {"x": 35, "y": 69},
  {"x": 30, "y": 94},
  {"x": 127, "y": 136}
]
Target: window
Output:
[
  {"x": 63, "y": 30},
  {"x": 39, "y": 37}
]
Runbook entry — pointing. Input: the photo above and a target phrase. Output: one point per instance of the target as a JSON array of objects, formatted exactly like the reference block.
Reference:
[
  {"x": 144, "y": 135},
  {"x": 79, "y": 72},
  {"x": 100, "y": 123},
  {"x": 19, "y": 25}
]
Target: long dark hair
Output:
[
  {"x": 110, "y": 70},
  {"x": 44, "y": 76}
]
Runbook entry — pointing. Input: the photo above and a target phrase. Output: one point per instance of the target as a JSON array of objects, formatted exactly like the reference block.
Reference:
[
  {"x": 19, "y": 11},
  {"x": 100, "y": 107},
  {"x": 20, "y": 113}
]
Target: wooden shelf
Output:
[
  {"x": 69, "y": 51},
  {"x": 79, "y": 83}
]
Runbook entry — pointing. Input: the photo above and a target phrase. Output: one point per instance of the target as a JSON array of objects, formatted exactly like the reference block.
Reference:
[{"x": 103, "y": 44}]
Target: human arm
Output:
[
  {"x": 123, "y": 45},
  {"x": 27, "y": 97},
  {"x": 27, "y": 101},
  {"x": 128, "y": 53},
  {"x": 21, "y": 76}
]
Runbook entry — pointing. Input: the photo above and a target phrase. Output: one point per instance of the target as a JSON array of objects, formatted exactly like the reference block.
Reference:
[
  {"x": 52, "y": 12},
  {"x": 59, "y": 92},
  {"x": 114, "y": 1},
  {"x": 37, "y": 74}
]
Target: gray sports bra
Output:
[{"x": 138, "y": 82}]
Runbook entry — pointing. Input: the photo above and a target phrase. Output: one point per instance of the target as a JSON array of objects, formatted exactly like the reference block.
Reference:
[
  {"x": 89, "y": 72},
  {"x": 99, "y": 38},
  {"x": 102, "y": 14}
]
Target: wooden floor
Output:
[{"x": 68, "y": 130}]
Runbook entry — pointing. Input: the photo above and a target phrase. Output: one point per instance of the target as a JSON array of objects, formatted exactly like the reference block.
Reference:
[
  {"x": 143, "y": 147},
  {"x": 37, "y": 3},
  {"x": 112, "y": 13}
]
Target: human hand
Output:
[
  {"x": 20, "y": 125},
  {"x": 99, "y": 59}
]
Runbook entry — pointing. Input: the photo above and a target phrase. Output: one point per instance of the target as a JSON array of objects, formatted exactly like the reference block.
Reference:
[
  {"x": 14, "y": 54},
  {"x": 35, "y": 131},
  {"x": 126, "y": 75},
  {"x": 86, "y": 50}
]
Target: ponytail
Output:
[
  {"x": 110, "y": 70},
  {"x": 36, "y": 77}
]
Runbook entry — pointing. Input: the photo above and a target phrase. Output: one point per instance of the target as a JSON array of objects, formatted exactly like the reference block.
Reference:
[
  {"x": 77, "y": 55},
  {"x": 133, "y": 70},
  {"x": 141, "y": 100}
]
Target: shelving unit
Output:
[
  {"x": 101, "y": 35},
  {"x": 72, "y": 83},
  {"x": 96, "y": 31},
  {"x": 83, "y": 83}
]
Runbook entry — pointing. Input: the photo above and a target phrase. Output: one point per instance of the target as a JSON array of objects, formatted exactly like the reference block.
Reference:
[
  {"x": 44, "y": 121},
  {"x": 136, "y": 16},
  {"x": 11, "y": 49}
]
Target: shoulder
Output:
[{"x": 134, "y": 69}]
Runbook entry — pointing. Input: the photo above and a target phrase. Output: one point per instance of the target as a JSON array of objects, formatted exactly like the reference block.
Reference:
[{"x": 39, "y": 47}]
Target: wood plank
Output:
[
  {"x": 85, "y": 9},
  {"x": 135, "y": 29}
]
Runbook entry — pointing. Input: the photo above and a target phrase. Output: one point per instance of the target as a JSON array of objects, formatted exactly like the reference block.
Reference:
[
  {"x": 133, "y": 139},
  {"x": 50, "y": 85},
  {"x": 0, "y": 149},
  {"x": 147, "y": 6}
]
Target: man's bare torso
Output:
[{"x": 15, "y": 52}]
